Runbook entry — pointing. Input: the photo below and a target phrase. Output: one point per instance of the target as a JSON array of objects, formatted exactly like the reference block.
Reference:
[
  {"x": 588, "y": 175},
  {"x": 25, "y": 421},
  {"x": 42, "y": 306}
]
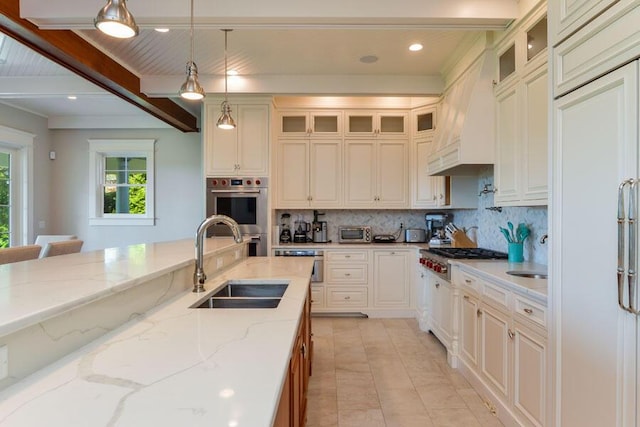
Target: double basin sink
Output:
[{"x": 245, "y": 294}]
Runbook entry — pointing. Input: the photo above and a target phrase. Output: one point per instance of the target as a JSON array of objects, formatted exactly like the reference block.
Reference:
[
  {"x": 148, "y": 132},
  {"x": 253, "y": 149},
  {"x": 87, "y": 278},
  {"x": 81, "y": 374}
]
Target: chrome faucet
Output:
[{"x": 199, "y": 277}]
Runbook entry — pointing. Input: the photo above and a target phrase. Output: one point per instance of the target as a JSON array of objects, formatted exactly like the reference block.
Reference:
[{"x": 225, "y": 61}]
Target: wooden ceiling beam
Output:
[{"x": 77, "y": 55}]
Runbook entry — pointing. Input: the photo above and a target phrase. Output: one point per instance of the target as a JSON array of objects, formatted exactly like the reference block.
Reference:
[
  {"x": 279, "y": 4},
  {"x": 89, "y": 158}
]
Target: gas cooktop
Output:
[{"x": 467, "y": 253}]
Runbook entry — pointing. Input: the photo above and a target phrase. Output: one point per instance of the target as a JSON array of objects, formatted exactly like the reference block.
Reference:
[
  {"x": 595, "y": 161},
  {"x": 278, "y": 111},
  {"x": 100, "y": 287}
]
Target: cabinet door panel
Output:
[
  {"x": 293, "y": 173},
  {"x": 595, "y": 142},
  {"x": 424, "y": 186},
  {"x": 567, "y": 16},
  {"x": 221, "y": 146},
  {"x": 529, "y": 375},
  {"x": 535, "y": 136},
  {"x": 507, "y": 169},
  {"x": 495, "y": 349},
  {"x": 391, "y": 285},
  {"x": 360, "y": 173},
  {"x": 393, "y": 176},
  {"x": 253, "y": 134},
  {"x": 326, "y": 173},
  {"x": 469, "y": 330}
]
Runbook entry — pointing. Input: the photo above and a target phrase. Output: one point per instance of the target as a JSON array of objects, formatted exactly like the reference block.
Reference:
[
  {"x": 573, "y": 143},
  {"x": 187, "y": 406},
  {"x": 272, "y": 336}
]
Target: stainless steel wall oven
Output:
[{"x": 245, "y": 200}]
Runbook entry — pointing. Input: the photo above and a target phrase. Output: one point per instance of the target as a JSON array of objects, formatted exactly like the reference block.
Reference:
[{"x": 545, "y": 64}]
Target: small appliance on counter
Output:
[
  {"x": 354, "y": 234},
  {"x": 384, "y": 238},
  {"x": 435, "y": 233},
  {"x": 319, "y": 229},
  {"x": 301, "y": 228},
  {"x": 285, "y": 232},
  {"x": 415, "y": 235}
]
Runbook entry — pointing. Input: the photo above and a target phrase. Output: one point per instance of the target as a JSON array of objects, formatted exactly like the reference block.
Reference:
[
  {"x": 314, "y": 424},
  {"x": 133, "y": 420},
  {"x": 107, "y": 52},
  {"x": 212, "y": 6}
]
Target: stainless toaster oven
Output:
[{"x": 354, "y": 234}]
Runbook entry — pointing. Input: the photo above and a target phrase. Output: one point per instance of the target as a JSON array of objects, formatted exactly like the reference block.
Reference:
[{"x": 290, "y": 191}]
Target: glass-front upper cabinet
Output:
[
  {"x": 424, "y": 121},
  {"x": 537, "y": 38},
  {"x": 310, "y": 123},
  {"x": 507, "y": 62},
  {"x": 365, "y": 123}
]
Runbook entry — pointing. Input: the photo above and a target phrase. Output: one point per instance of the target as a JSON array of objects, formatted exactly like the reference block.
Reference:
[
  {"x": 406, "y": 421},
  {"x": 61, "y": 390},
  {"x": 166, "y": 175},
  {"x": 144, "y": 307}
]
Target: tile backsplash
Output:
[{"x": 487, "y": 221}]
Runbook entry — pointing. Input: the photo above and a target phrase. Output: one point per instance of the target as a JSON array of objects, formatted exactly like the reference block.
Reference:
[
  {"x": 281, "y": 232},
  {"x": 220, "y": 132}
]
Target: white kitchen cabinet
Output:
[
  {"x": 569, "y": 15},
  {"x": 495, "y": 349},
  {"x": 422, "y": 298},
  {"x": 595, "y": 148},
  {"x": 387, "y": 124},
  {"x": 243, "y": 151},
  {"x": 309, "y": 173},
  {"x": 521, "y": 166},
  {"x": 423, "y": 122},
  {"x": 376, "y": 174},
  {"x": 469, "y": 329},
  {"x": 347, "y": 278},
  {"x": 320, "y": 124},
  {"x": 441, "y": 313},
  {"x": 392, "y": 282},
  {"x": 529, "y": 374}
]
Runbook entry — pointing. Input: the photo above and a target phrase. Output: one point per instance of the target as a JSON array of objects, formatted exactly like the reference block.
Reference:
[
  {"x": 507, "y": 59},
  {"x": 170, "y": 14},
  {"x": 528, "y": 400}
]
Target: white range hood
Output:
[{"x": 464, "y": 140}]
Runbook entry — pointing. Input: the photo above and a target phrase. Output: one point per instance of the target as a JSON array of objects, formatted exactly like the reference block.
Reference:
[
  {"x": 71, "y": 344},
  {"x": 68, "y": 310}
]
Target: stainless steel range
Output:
[{"x": 437, "y": 259}]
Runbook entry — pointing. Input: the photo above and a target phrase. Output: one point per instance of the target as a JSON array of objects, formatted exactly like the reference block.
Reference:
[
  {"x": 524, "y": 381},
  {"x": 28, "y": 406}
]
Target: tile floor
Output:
[{"x": 386, "y": 372}]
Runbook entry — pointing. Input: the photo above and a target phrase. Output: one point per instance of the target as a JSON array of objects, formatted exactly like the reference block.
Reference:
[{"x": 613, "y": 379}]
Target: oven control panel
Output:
[
  {"x": 435, "y": 265},
  {"x": 231, "y": 183}
]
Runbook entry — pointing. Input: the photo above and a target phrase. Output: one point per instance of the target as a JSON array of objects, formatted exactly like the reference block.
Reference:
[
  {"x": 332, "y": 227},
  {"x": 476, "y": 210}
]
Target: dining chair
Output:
[
  {"x": 43, "y": 239},
  {"x": 19, "y": 253},
  {"x": 63, "y": 247}
]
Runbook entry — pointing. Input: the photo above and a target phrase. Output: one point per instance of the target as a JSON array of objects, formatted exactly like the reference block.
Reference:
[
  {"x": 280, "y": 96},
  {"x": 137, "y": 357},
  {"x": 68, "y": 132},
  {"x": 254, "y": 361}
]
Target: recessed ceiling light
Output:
[
  {"x": 415, "y": 47},
  {"x": 162, "y": 30},
  {"x": 369, "y": 59},
  {"x": 72, "y": 97},
  {"x": 232, "y": 73}
]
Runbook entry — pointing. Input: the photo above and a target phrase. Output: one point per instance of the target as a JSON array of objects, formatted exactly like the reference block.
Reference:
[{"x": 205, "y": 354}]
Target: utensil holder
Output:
[{"x": 515, "y": 252}]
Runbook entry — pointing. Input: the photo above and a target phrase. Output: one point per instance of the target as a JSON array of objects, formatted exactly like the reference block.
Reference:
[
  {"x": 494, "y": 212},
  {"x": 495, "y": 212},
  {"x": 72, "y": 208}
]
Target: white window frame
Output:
[
  {"x": 99, "y": 149},
  {"x": 20, "y": 144}
]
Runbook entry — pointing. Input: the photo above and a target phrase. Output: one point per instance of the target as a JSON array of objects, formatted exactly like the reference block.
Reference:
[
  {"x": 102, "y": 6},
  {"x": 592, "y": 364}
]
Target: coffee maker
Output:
[
  {"x": 285, "y": 232},
  {"x": 301, "y": 228},
  {"x": 435, "y": 227},
  {"x": 319, "y": 229}
]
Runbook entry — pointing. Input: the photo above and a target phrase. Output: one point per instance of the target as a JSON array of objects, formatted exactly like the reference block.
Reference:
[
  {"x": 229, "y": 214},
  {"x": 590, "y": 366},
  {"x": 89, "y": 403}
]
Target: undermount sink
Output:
[
  {"x": 245, "y": 294},
  {"x": 529, "y": 274}
]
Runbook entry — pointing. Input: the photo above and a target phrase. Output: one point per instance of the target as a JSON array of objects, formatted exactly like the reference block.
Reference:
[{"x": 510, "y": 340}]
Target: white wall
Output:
[
  {"x": 37, "y": 125},
  {"x": 179, "y": 188}
]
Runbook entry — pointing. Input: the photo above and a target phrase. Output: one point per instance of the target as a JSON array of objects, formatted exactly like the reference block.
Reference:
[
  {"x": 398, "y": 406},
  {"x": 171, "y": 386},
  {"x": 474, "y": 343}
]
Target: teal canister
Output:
[{"x": 515, "y": 252}]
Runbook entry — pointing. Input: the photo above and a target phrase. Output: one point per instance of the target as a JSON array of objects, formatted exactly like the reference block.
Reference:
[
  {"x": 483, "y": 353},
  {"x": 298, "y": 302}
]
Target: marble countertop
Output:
[
  {"x": 496, "y": 271},
  {"x": 36, "y": 290},
  {"x": 174, "y": 365}
]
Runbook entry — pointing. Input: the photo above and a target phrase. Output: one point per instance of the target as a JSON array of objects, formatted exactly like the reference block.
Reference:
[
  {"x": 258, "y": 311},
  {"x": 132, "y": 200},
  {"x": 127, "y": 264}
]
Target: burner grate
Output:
[{"x": 468, "y": 253}]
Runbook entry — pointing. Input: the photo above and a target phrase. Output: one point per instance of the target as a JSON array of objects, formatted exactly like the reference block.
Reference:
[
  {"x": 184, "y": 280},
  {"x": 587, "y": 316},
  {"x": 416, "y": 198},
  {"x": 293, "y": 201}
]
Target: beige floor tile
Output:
[
  {"x": 357, "y": 398},
  {"x": 361, "y": 418},
  {"x": 401, "y": 401},
  {"x": 408, "y": 420},
  {"x": 453, "y": 417},
  {"x": 440, "y": 396}
]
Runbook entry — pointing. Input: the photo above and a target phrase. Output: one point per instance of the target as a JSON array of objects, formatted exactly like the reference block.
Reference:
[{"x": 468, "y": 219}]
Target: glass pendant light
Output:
[
  {"x": 225, "y": 121},
  {"x": 191, "y": 89},
  {"x": 115, "y": 20}
]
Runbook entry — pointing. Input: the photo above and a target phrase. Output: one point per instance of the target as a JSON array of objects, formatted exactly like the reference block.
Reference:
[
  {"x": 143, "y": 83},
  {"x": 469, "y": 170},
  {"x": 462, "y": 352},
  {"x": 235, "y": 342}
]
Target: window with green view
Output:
[
  {"x": 125, "y": 185},
  {"x": 5, "y": 199}
]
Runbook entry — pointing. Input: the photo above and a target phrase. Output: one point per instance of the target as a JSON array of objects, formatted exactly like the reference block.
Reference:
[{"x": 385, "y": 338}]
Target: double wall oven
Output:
[{"x": 246, "y": 201}]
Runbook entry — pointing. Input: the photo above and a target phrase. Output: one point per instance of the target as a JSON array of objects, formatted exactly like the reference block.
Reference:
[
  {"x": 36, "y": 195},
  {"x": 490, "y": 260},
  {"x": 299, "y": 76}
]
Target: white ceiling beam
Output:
[
  {"x": 44, "y": 86},
  {"x": 486, "y": 13},
  {"x": 154, "y": 86}
]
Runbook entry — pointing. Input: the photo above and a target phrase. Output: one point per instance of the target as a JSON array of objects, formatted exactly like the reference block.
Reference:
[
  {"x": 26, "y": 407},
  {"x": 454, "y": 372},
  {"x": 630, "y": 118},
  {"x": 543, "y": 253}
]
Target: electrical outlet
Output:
[{"x": 4, "y": 362}]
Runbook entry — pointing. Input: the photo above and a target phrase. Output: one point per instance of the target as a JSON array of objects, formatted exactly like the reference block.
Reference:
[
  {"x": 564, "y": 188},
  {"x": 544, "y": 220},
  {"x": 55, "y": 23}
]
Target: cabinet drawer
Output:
[
  {"x": 343, "y": 296},
  {"x": 347, "y": 256},
  {"x": 530, "y": 310},
  {"x": 317, "y": 296},
  {"x": 469, "y": 282},
  {"x": 347, "y": 273},
  {"x": 496, "y": 295}
]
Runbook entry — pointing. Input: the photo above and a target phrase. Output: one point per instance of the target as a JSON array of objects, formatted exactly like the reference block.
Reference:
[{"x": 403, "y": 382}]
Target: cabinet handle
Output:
[
  {"x": 347, "y": 256},
  {"x": 437, "y": 285},
  {"x": 511, "y": 334},
  {"x": 393, "y": 253},
  {"x": 466, "y": 297},
  {"x": 467, "y": 281},
  {"x": 303, "y": 350},
  {"x": 441, "y": 196},
  {"x": 347, "y": 274},
  {"x": 422, "y": 275},
  {"x": 528, "y": 311},
  {"x": 479, "y": 313},
  {"x": 347, "y": 297},
  {"x": 435, "y": 197}
]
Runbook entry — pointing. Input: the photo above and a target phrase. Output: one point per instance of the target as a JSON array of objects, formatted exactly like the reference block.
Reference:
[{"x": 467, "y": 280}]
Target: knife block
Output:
[{"x": 460, "y": 240}]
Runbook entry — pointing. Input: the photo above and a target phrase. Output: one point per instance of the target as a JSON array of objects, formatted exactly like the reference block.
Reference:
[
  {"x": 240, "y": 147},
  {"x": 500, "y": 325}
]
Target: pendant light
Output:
[
  {"x": 225, "y": 121},
  {"x": 191, "y": 89},
  {"x": 115, "y": 20}
]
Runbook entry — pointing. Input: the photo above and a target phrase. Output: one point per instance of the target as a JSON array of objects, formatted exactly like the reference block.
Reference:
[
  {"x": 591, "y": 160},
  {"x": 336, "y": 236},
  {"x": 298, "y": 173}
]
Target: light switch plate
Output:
[{"x": 4, "y": 362}]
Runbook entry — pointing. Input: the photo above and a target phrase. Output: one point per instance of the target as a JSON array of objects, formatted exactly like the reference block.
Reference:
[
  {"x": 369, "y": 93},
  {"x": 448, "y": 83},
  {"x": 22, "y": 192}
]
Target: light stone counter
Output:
[
  {"x": 32, "y": 291},
  {"x": 496, "y": 271},
  {"x": 173, "y": 366}
]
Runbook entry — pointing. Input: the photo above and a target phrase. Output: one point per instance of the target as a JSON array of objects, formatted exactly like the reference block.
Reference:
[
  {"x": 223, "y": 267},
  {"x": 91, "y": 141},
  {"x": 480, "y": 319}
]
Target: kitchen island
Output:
[{"x": 172, "y": 365}]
